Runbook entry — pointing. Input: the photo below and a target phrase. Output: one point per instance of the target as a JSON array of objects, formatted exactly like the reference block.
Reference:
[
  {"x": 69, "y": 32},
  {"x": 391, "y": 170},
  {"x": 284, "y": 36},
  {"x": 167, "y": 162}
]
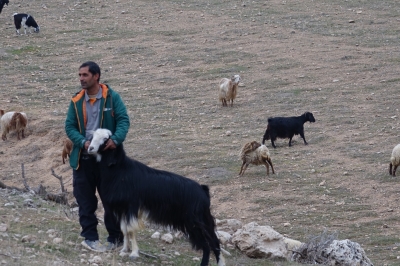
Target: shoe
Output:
[
  {"x": 110, "y": 246},
  {"x": 94, "y": 245}
]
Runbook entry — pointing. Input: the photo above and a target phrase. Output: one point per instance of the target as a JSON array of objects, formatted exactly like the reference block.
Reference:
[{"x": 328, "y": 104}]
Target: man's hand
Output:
[
  {"x": 87, "y": 144},
  {"x": 110, "y": 145}
]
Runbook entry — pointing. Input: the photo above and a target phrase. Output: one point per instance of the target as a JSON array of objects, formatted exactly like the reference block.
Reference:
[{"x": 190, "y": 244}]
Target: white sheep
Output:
[
  {"x": 10, "y": 121},
  {"x": 257, "y": 154},
  {"x": 228, "y": 89},
  {"x": 394, "y": 160}
]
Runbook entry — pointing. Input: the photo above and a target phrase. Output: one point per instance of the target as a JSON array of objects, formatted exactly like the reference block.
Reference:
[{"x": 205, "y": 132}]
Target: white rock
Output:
[
  {"x": 3, "y": 227},
  {"x": 292, "y": 244},
  {"x": 260, "y": 242},
  {"x": 228, "y": 225},
  {"x": 224, "y": 237},
  {"x": 28, "y": 239},
  {"x": 156, "y": 235},
  {"x": 346, "y": 252},
  {"x": 57, "y": 240},
  {"x": 50, "y": 231},
  {"x": 168, "y": 238},
  {"x": 96, "y": 259}
]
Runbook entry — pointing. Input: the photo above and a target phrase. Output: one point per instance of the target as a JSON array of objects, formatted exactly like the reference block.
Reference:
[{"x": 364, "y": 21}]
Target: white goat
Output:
[
  {"x": 228, "y": 89},
  {"x": 257, "y": 154},
  {"x": 394, "y": 160},
  {"x": 16, "y": 121}
]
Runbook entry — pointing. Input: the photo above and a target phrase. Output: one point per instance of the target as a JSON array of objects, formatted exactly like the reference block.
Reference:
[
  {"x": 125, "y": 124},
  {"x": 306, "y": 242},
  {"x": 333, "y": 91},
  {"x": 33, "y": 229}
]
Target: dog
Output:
[
  {"x": 2, "y": 3},
  {"x": 25, "y": 20}
]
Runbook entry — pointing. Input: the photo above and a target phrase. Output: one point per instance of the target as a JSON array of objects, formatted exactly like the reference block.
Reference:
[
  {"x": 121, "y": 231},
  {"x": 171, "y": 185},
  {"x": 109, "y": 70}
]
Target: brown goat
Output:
[
  {"x": 13, "y": 121},
  {"x": 66, "y": 149}
]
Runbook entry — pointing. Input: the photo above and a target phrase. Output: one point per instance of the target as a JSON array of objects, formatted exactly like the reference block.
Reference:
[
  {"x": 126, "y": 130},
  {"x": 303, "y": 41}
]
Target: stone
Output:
[
  {"x": 260, "y": 242},
  {"x": 229, "y": 225},
  {"x": 156, "y": 235},
  {"x": 224, "y": 237},
  {"x": 3, "y": 227},
  {"x": 346, "y": 252},
  {"x": 168, "y": 238},
  {"x": 57, "y": 240},
  {"x": 96, "y": 260}
]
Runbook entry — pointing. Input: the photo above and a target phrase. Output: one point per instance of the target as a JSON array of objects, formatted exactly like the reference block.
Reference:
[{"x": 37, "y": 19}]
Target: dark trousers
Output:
[{"x": 85, "y": 182}]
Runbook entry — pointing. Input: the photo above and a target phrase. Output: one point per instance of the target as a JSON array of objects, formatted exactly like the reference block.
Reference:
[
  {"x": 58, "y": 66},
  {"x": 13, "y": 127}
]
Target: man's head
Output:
[{"x": 89, "y": 75}]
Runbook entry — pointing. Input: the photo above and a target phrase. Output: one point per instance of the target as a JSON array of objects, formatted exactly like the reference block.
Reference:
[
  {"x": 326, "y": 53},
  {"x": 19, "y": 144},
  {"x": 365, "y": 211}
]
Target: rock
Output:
[
  {"x": 292, "y": 244},
  {"x": 28, "y": 239},
  {"x": 3, "y": 227},
  {"x": 96, "y": 260},
  {"x": 346, "y": 252},
  {"x": 57, "y": 240},
  {"x": 156, "y": 235},
  {"x": 260, "y": 242},
  {"x": 224, "y": 237},
  {"x": 50, "y": 231},
  {"x": 228, "y": 225},
  {"x": 168, "y": 238}
]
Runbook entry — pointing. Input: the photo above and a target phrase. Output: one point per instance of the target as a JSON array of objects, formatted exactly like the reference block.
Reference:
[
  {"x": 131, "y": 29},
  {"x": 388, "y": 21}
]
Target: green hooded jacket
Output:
[{"x": 113, "y": 116}]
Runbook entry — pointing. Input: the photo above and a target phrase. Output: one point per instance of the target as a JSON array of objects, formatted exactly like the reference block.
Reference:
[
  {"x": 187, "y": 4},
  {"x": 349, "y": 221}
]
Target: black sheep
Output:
[
  {"x": 2, "y": 3},
  {"x": 287, "y": 127}
]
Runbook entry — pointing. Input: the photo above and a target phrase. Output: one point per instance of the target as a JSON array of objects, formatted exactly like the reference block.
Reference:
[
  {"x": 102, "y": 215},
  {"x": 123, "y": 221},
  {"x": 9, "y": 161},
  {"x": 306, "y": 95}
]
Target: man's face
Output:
[{"x": 87, "y": 79}]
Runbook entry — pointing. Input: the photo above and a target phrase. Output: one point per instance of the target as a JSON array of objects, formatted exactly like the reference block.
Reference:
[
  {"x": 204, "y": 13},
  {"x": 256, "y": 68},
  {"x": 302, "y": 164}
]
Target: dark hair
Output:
[{"x": 93, "y": 68}]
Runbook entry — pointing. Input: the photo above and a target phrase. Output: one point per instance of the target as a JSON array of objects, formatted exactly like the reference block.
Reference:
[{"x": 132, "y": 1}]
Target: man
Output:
[{"x": 95, "y": 106}]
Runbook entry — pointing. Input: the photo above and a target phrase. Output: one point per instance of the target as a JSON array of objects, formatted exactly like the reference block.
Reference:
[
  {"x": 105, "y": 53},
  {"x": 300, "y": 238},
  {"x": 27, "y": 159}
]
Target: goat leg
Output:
[
  {"x": 266, "y": 166},
  {"x": 290, "y": 141},
  {"x": 304, "y": 138},
  {"x": 394, "y": 170},
  {"x": 241, "y": 169},
  {"x": 270, "y": 163},
  {"x": 273, "y": 144},
  {"x": 390, "y": 168},
  {"x": 244, "y": 167}
]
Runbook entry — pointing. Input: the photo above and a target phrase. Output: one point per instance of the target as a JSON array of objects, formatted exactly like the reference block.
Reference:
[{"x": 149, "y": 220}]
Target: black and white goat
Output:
[
  {"x": 287, "y": 127},
  {"x": 136, "y": 192},
  {"x": 2, "y": 3},
  {"x": 26, "y": 21}
]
